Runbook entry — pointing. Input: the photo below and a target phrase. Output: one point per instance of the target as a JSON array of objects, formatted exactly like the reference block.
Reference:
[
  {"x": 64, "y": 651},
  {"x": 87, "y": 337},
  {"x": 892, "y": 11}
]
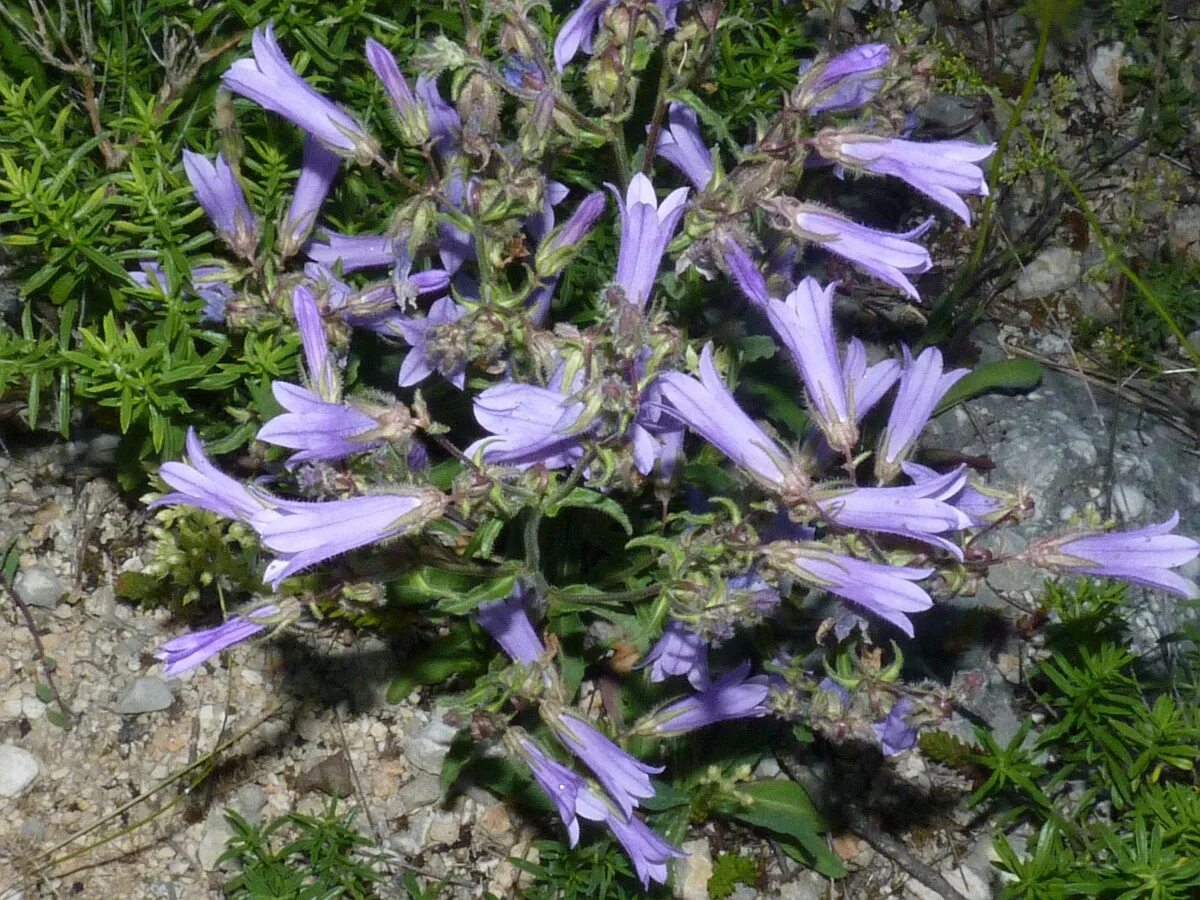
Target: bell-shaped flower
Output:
[
  {"x": 529, "y": 425},
  {"x": 732, "y": 696},
  {"x": 188, "y": 651},
  {"x": 980, "y": 506},
  {"x": 944, "y": 171},
  {"x": 318, "y": 169},
  {"x": 867, "y": 384},
  {"x": 884, "y": 591},
  {"x": 923, "y": 384},
  {"x": 354, "y": 251},
  {"x": 429, "y": 350},
  {"x": 920, "y": 512},
  {"x": 316, "y": 428},
  {"x": 410, "y": 114},
  {"x": 894, "y": 733},
  {"x": 319, "y": 365},
  {"x": 199, "y": 483},
  {"x": 508, "y": 623},
  {"x": 647, "y": 849},
  {"x": 571, "y": 794},
  {"x": 646, "y": 228},
  {"x": 270, "y": 81},
  {"x": 844, "y": 82},
  {"x": 577, "y": 31},
  {"x": 680, "y": 651},
  {"x": 707, "y": 407},
  {"x": 681, "y": 144},
  {"x": 219, "y": 193},
  {"x": 445, "y": 124},
  {"x": 1145, "y": 556}
]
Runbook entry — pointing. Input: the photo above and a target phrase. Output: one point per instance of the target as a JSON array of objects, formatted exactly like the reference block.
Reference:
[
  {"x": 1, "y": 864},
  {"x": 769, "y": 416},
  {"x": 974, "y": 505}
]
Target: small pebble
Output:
[
  {"x": 146, "y": 694},
  {"x": 39, "y": 586},
  {"x": 18, "y": 769}
]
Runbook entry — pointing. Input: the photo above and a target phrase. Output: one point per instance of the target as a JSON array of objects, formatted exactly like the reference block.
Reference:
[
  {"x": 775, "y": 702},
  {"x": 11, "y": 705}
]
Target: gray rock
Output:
[
  {"x": 427, "y": 748},
  {"x": 39, "y": 586},
  {"x": 146, "y": 694},
  {"x": 1054, "y": 269},
  {"x": 1183, "y": 234},
  {"x": 18, "y": 769},
  {"x": 213, "y": 839},
  {"x": 424, "y": 790},
  {"x": 1105, "y": 66},
  {"x": 693, "y": 871},
  {"x": 1128, "y": 500},
  {"x": 250, "y": 801},
  {"x": 806, "y": 885}
]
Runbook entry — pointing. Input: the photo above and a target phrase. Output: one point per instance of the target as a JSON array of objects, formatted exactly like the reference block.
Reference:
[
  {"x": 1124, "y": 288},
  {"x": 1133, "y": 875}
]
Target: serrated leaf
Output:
[{"x": 1005, "y": 376}]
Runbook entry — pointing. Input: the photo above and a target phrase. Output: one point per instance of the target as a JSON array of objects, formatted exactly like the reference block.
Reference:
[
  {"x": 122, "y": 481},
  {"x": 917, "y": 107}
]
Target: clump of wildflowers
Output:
[{"x": 615, "y": 406}]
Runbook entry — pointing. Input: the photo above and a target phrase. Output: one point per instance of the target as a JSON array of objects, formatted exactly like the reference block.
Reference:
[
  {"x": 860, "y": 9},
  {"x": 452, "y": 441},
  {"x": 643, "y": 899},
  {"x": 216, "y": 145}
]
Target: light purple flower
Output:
[
  {"x": 942, "y": 170},
  {"x": 529, "y": 425},
  {"x": 894, "y": 733},
  {"x": 1142, "y": 556},
  {"x": 980, "y": 507},
  {"x": 682, "y": 145},
  {"x": 302, "y": 534},
  {"x": 804, "y": 322},
  {"x": 410, "y": 113},
  {"x": 424, "y": 356},
  {"x": 319, "y": 364},
  {"x": 270, "y": 81},
  {"x": 571, "y": 794},
  {"x": 888, "y": 256},
  {"x": 354, "y": 251},
  {"x": 885, "y": 591},
  {"x": 508, "y": 622},
  {"x": 732, "y": 696},
  {"x": 867, "y": 384},
  {"x": 646, "y": 228},
  {"x": 555, "y": 250},
  {"x": 922, "y": 387},
  {"x": 745, "y": 273},
  {"x": 188, "y": 651},
  {"x": 445, "y": 125},
  {"x": 846, "y": 81},
  {"x": 577, "y": 31},
  {"x": 920, "y": 512},
  {"x": 708, "y": 408},
  {"x": 829, "y": 686},
  {"x": 647, "y": 850},
  {"x": 316, "y": 428},
  {"x": 625, "y": 779},
  {"x": 207, "y": 282},
  {"x": 318, "y": 169},
  {"x": 680, "y": 651},
  {"x": 219, "y": 193},
  {"x": 199, "y": 483}
]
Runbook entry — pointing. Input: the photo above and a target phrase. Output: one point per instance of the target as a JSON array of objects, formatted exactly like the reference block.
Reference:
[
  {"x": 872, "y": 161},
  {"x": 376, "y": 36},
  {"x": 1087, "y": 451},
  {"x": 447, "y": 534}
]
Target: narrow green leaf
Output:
[{"x": 1004, "y": 376}]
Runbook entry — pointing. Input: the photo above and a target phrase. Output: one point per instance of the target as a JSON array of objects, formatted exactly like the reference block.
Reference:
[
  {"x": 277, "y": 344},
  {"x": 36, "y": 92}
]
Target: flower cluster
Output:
[{"x": 602, "y": 401}]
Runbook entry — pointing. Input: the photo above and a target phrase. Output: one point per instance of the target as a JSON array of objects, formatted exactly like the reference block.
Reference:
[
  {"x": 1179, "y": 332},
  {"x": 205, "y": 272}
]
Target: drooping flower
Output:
[
  {"x": 888, "y": 256},
  {"x": 804, "y": 322},
  {"x": 508, "y": 622},
  {"x": 1144, "y": 556},
  {"x": 316, "y": 428},
  {"x": 219, "y": 193},
  {"x": 646, "y": 228},
  {"x": 199, "y": 483},
  {"x": 894, "y": 733},
  {"x": 577, "y": 31},
  {"x": 318, "y": 169},
  {"x": 885, "y": 591},
  {"x": 302, "y": 534},
  {"x": 922, "y": 387},
  {"x": 647, "y": 849},
  {"x": 681, "y": 144},
  {"x": 270, "y": 81},
  {"x": 920, "y": 512},
  {"x": 846, "y": 81},
  {"x": 427, "y": 354},
  {"x": 708, "y": 408},
  {"x": 680, "y": 651},
  {"x": 625, "y": 778},
  {"x": 980, "y": 506},
  {"x": 732, "y": 696},
  {"x": 529, "y": 425},
  {"x": 354, "y": 251},
  {"x": 188, "y": 651},
  {"x": 570, "y": 792},
  {"x": 944, "y": 171}
]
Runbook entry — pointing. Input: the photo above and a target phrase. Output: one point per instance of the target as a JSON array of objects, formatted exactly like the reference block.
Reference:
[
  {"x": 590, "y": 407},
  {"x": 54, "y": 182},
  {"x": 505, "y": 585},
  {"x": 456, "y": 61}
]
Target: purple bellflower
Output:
[
  {"x": 745, "y": 273},
  {"x": 680, "y": 651},
  {"x": 921, "y": 512},
  {"x": 646, "y": 228},
  {"x": 844, "y": 82},
  {"x": 354, "y": 251},
  {"x": 199, "y": 483},
  {"x": 207, "y": 282},
  {"x": 507, "y": 621},
  {"x": 414, "y": 124},
  {"x": 316, "y": 428},
  {"x": 1142, "y": 556},
  {"x": 445, "y": 124},
  {"x": 885, "y": 591},
  {"x": 707, "y": 407},
  {"x": 867, "y": 384},
  {"x": 302, "y": 534},
  {"x": 647, "y": 849},
  {"x": 682, "y": 145},
  {"x": 980, "y": 507},
  {"x": 894, "y": 733},
  {"x": 318, "y": 169},
  {"x": 732, "y": 696},
  {"x": 885, "y": 255},
  {"x": 625, "y": 778},
  {"x": 577, "y": 31},
  {"x": 529, "y": 425},
  {"x": 923, "y": 384},
  {"x": 219, "y": 193},
  {"x": 425, "y": 356},
  {"x": 188, "y": 651},
  {"x": 944, "y": 171},
  {"x": 570, "y": 792},
  {"x": 270, "y": 81},
  {"x": 319, "y": 364},
  {"x": 804, "y": 322},
  {"x": 555, "y": 248}
]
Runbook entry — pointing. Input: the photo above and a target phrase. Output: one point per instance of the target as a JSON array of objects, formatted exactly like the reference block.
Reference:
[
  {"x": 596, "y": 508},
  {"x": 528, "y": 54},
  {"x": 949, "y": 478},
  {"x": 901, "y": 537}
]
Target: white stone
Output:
[
  {"x": 39, "y": 586},
  {"x": 1129, "y": 500},
  {"x": 18, "y": 769},
  {"x": 426, "y": 749},
  {"x": 1054, "y": 269},
  {"x": 146, "y": 694},
  {"x": 693, "y": 871},
  {"x": 1105, "y": 66},
  {"x": 964, "y": 880}
]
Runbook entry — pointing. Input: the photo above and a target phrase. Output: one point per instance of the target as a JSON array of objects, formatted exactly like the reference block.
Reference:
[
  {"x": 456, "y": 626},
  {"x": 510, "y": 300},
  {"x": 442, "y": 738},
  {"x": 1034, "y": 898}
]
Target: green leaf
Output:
[
  {"x": 492, "y": 589},
  {"x": 458, "y": 653},
  {"x": 783, "y": 806},
  {"x": 1004, "y": 376},
  {"x": 44, "y": 692},
  {"x": 594, "y": 500}
]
